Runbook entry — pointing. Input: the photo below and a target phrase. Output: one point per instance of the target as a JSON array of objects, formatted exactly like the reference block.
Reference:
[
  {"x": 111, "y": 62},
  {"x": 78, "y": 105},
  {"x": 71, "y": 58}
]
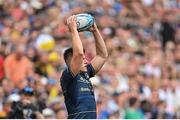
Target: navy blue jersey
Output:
[{"x": 78, "y": 94}]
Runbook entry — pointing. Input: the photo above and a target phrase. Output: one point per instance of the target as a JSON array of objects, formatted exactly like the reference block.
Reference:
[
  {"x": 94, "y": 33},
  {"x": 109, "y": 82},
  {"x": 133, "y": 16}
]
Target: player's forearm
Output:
[
  {"x": 101, "y": 49},
  {"x": 76, "y": 43}
]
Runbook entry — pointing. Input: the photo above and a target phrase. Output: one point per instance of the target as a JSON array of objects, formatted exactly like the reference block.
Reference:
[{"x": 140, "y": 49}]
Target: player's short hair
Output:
[{"x": 67, "y": 54}]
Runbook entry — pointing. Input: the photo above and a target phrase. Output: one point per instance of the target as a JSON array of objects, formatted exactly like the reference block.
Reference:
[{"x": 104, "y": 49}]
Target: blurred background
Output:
[{"x": 141, "y": 78}]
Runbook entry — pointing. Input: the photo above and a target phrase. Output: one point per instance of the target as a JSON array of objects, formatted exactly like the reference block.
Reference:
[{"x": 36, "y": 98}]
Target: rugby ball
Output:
[{"x": 84, "y": 21}]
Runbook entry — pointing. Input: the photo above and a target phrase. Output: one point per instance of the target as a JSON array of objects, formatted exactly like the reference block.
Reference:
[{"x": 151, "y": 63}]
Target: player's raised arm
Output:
[
  {"x": 77, "y": 57},
  {"x": 101, "y": 50}
]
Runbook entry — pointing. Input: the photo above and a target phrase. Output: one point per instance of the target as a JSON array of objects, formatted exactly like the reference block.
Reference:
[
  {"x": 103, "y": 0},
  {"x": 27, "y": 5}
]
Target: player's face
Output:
[{"x": 84, "y": 64}]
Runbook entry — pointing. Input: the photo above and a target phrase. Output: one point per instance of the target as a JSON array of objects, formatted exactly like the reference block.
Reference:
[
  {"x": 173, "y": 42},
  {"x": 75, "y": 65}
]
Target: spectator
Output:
[
  {"x": 61, "y": 114},
  {"x": 17, "y": 66},
  {"x": 1, "y": 67},
  {"x": 167, "y": 32},
  {"x": 24, "y": 107},
  {"x": 132, "y": 112},
  {"x": 48, "y": 113}
]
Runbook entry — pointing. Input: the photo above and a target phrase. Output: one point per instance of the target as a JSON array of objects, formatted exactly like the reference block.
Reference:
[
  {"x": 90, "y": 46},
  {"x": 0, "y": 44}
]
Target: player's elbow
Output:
[{"x": 104, "y": 57}]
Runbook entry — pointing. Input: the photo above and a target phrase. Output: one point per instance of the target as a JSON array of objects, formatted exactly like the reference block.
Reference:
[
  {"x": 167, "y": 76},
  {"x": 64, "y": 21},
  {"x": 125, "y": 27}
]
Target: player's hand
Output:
[
  {"x": 93, "y": 28},
  {"x": 71, "y": 22}
]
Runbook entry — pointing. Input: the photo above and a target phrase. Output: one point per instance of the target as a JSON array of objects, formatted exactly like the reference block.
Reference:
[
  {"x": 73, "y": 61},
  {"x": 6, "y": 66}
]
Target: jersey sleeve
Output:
[{"x": 90, "y": 70}]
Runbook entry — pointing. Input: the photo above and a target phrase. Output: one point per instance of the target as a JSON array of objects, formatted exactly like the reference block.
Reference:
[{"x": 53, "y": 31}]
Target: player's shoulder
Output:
[{"x": 66, "y": 74}]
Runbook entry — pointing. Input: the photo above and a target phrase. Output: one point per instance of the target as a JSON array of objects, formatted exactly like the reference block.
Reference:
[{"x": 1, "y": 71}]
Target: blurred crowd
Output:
[{"x": 141, "y": 78}]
